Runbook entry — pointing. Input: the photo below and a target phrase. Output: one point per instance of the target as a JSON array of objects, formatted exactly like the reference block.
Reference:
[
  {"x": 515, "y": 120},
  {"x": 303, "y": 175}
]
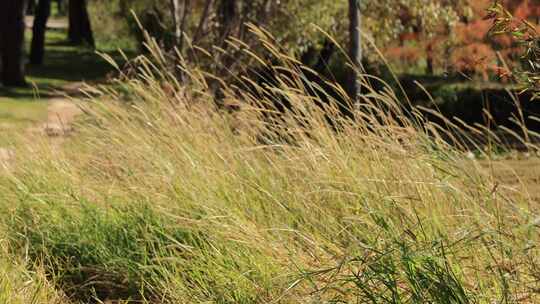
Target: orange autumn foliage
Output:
[{"x": 467, "y": 47}]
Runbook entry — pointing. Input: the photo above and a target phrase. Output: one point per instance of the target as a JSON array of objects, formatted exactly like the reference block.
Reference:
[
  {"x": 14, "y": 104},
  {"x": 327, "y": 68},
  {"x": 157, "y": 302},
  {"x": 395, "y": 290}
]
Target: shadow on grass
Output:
[
  {"x": 64, "y": 64},
  {"x": 72, "y": 65}
]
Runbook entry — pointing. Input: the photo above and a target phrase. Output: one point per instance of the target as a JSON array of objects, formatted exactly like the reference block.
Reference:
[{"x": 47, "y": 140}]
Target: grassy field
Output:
[
  {"x": 162, "y": 198},
  {"x": 15, "y": 112}
]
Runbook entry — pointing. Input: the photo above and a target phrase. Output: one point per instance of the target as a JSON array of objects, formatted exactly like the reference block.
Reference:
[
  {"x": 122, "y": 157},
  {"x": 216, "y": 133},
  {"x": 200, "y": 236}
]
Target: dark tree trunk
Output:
[
  {"x": 37, "y": 50},
  {"x": 30, "y": 7},
  {"x": 12, "y": 28},
  {"x": 80, "y": 30},
  {"x": 74, "y": 26},
  {"x": 227, "y": 17},
  {"x": 430, "y": 69},
  {"x": 202, "y": 21},
  {"x": 61, "y": 7},
  {"x": 355, "y": 48}
]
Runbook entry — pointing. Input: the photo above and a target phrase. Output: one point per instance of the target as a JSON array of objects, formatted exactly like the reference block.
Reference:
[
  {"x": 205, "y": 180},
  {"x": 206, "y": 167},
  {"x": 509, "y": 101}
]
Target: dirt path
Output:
[
  {"x": 519, "y": 177},
  {"x": 5, "y": 155},
  {"x": 61, "y": 113},
  {"x": 52, "y": 23}
]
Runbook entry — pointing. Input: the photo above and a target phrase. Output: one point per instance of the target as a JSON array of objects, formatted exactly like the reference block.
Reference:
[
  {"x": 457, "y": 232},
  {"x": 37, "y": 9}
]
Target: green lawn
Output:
[
  {"x": 22, "y": 111},
  {"x": 17, "y": 115}
]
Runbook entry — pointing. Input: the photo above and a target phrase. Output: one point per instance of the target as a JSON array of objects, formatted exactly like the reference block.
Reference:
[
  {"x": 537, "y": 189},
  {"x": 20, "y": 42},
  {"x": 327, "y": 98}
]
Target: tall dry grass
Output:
[{"x": 161, "y": 197}]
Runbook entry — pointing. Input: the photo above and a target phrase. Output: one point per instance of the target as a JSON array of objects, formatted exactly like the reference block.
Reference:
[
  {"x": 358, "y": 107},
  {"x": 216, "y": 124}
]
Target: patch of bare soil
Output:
[
  {"x": 5, "y": 155},
  {"x": 520, "y": 177},
  {"x": 61, "y": 113},
  {"x": 52, "y": 23}
]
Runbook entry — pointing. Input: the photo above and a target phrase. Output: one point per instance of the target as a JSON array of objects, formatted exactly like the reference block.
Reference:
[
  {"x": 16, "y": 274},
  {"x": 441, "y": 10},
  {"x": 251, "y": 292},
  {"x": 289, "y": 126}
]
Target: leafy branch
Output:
[{"x": 524, "y": 34}]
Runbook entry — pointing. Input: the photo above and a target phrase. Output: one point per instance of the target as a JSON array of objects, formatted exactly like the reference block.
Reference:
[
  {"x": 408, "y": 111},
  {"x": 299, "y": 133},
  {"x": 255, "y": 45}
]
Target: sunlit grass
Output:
[
  {"x": 21, "y": 111},
  {"x": 17, "y": 116},
  {"x": 161, "y": 197}
]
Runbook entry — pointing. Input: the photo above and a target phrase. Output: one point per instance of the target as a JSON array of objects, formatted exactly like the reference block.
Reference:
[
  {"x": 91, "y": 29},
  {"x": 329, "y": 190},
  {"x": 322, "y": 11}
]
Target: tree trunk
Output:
[
  {"x": 180, "y": 11},
  {"x": 74, "y": 26},
  {"x": 202, "y": 22},
  {"x": 430, "y": 69},
  {"x": 12, "y": 26},
  {"x": 227, "y": 16},
  {"x": 37, "y": 50},
  {"x": 177, "y": 13},
  {"x": 80, "y": 30},
  {"x": 61, "y": 7},
  {"x": 30, "y": 7},
  {"x": 355, "y": 48}
]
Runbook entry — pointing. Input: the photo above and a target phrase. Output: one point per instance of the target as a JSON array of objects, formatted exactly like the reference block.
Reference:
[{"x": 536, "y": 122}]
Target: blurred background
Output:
[{"x": 439, "y": 46}]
